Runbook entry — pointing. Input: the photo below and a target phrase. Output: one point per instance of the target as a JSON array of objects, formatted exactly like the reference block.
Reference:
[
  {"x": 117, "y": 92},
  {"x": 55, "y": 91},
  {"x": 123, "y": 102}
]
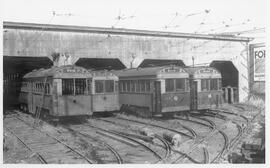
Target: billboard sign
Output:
[{"x": 259, "y": 63}]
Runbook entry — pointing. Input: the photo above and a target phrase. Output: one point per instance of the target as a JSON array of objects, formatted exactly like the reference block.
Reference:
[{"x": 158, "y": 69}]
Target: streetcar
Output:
[
  {"x": 205, "y": 88},
  {"x": 154, "y": 91},
  {"x": 68, "y": 91}
]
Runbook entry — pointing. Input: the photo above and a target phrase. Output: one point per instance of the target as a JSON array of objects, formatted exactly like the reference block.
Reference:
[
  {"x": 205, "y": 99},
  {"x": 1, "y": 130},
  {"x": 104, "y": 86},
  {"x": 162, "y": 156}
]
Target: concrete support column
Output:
[
  {"x": 232, "y": 95},
  {"x": 226, "y": 95}
]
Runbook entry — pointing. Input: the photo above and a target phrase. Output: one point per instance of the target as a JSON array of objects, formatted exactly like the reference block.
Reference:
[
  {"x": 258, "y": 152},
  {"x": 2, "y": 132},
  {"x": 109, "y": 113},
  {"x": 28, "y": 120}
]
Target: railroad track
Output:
[
  {"x": 49, "y": 148},
  {"x": 241, "y": 130},
  {"x": 167, "y": 145},
  {"x": 159, "y": 157},
  {"x": 40, "y": 158},
  {"x": 158, "y": 126},
  {"x": 228, "y": 144},
  {"x": 212, "y": 126},
  {"x": 88, "y": 139},
  {"x": 192, "y": 136},
  {"x": 103, "y": 143}
]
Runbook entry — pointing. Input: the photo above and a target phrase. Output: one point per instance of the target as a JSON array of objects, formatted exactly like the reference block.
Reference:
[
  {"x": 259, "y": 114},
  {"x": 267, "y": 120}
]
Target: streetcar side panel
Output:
[
  {"x": 174, "y": 90},
  {"x": 41, "y": 95},
  {"x": 72, "y": 105},
  {"x": 105, "y": 95},
  {"x": 175, "y": 102},
  {"x": 137, "y": 92},
  {"x": 209, "y": 99},
  {"x": 105, "y": 102},
  {"x": 143, "y": 100}
]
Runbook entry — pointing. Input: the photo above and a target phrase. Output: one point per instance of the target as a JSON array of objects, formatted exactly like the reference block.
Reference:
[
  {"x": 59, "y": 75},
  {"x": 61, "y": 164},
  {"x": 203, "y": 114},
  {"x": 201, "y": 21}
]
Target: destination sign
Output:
[{"x": 72, "y": 70}]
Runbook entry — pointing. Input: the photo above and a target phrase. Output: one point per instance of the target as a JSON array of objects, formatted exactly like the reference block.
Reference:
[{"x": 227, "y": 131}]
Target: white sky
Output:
[{"x": 148, "y": 14}]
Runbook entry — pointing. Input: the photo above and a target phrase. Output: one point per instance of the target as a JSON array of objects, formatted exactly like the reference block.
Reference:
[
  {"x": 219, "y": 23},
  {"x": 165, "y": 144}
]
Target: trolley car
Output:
[
  {"x": 205, "y": 88},
  {"x": 154, "y": 90},
  {"x": 66, "y": 91}
]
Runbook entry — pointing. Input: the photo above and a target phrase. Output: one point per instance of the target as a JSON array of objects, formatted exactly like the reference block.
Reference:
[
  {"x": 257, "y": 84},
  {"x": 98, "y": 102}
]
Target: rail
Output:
[{"x": 59, "y": 141}]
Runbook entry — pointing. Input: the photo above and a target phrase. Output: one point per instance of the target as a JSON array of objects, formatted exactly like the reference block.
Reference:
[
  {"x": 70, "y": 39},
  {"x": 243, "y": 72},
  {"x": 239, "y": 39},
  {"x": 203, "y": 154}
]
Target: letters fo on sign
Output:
[{"x": 259, "y": 64}]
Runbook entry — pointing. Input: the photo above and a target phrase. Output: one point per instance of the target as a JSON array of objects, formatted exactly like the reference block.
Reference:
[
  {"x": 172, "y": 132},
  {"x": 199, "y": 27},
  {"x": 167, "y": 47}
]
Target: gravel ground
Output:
[{"x": 15, "y": 152}]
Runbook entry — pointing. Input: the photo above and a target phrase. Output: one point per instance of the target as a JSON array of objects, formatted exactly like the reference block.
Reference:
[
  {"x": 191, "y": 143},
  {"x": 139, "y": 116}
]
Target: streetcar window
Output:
[
  {"x": 109, "y": 86},
  {"x": 36, "y": 88},
  {"x": 128, "y": 86},
  {"x": 124, "y": 86},
  {"x": 67, "y": 86},
  {"x": 180, "y": 84},
  {"x": 42, "y": 87},
  {"x": 213, "y": 84},
  {"x": 116, "y": 86},
  {"x": 99, "y": 85},
  {"x": 169, "y": 84},
  {"x": 132, "y": 86},
  {"x": 120, "y": 86},
  {"x": 187, "y": 85},
  {"x": 147, "y": 89},
  {"x": 142, "y": 85},
  {"x": 89, "y": 82},
  {"x": 204, "y": 84},
  {"x": 138, "y": 89},
  {"x": 219, "y": 84},
  {"x": 47, "y": 88},
  {"x": 80, "y": 86}
]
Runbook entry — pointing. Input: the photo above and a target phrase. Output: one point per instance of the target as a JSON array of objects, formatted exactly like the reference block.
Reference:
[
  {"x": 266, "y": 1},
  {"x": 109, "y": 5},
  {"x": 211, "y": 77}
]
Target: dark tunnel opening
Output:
[
  {"x": 230, "y": 80},
  {"x": 14, "y": 68}
]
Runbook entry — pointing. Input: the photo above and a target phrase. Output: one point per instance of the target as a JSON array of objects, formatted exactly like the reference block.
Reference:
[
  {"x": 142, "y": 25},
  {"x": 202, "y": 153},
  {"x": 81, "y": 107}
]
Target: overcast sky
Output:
[{"x": 201, "y": 16}]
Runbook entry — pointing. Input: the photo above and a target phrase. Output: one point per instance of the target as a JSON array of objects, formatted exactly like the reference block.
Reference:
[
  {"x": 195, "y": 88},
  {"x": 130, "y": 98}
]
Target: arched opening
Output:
[
  {"x": 14, "y": 68},
  {"x": 230, "y": 80}
]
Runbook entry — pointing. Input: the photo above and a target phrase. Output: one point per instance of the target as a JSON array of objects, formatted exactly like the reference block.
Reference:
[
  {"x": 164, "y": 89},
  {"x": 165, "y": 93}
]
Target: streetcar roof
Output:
[
  {"x": 58, "y": 72},
  {"x": 202, "y": 70},
  {"x": 148, "y": 71}
]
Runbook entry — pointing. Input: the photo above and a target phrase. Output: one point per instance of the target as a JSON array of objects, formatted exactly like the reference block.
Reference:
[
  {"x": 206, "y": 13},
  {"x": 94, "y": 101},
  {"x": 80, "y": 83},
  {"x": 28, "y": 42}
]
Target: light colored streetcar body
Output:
[
  {"x": 105, "y": 95},
  {"x": 62, "y": 91}
]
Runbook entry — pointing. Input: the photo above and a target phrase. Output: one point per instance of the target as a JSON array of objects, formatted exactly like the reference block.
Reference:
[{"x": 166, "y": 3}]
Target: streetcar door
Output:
[
  {"x": 193, "y": 95},
  {"x": 157, "y": 97}
]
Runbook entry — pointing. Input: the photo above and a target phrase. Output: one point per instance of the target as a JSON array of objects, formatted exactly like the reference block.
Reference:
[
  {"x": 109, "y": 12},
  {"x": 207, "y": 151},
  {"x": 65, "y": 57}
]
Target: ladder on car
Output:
[{"x": 39, "y": 108}]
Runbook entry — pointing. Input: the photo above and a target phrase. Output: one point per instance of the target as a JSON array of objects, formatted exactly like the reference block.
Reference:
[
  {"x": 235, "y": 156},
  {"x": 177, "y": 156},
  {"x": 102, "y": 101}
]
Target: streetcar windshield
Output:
[
  {"x": 74, "y": 86},
  {"x": 104, "y": 86}
]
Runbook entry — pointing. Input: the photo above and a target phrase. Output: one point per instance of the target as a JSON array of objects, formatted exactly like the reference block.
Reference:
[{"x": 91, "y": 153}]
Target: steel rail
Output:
[
  {"x": 206, "y": 153},
  {"x": 226, "y": 139},
  {"x": 126, "y": 137},
  {"x": 182, "y": 133},
  {"x": 116, "y": 154},
  {"x": 206, "y": 156},
  {"x": 42, "y": 160},
  {"x": 56, "y": 139},
  {"x": 166, "y": 144}
]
